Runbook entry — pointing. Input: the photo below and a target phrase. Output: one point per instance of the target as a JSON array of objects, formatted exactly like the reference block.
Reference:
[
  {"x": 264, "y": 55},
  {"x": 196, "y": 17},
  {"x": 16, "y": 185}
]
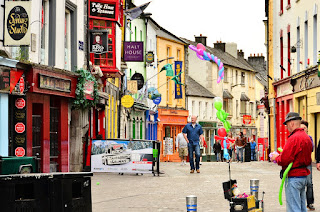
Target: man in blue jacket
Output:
[{"x": 193, "y": 132}]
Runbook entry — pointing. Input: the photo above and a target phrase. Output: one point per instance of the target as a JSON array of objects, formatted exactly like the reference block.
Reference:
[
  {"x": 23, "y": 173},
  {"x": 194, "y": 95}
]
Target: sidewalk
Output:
[{"x": 130, "y": 192}]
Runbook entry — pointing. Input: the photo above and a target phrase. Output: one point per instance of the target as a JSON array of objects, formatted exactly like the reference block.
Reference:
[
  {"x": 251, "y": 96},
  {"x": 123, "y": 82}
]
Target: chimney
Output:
[
  {"x": 201, "y": 39},
  {"x": 220, "y": 45},
  {"x": 240, "y": 54},
  {"x": 256, "y": 60}
]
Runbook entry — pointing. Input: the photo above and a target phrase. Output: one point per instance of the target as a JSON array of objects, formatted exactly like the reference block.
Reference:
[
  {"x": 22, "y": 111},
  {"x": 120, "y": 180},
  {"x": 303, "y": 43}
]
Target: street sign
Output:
[
  {"x": 20, "y": 152},
  {"x": 20, "y": 103},
  {"x": 20, "y": 127}
]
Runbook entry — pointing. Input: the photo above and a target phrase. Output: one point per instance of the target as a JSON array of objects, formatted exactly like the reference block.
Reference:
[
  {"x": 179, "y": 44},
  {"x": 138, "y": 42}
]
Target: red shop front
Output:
[{"x": 48, "y": 100}]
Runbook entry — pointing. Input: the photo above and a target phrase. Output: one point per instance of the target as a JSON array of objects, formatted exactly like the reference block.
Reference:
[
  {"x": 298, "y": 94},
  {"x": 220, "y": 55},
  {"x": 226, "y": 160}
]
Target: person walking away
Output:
[
  {"x": 253, "y": 147},
  {"x": 297, "y": 150},
  {"x": 182, "y": 147},
  {"x": 240, "y": 144},
  {"x": 193, "y": 132},
  {"x": 309, "y": 192},
  {"x": 216, "y": 149}
]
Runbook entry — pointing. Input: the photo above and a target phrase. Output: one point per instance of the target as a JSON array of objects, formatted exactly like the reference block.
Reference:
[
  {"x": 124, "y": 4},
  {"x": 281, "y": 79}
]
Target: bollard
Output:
[
  {"x": 191, "y": 201},
  {"x": 254, "y": 188}
]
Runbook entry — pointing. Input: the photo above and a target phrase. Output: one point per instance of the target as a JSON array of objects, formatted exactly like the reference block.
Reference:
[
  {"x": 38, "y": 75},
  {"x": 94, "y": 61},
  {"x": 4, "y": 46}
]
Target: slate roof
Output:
[
  {"x": 193, "y": 88},
  {"x": 225, "y": 57}
]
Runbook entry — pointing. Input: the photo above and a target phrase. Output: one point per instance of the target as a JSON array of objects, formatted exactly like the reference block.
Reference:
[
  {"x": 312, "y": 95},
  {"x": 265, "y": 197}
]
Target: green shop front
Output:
[{"x": 209, "y": 131}]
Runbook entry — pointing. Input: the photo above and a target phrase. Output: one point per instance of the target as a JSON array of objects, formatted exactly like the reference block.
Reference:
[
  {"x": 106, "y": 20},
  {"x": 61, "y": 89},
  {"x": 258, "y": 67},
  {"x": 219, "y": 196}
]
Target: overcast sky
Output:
[{"x": 238, "y": 21}]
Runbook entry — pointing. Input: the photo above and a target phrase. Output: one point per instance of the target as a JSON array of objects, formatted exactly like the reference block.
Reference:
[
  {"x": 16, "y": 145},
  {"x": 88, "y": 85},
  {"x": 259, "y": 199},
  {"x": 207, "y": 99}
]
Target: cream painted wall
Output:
[
  {"x": 201, "y": 107},
  {"x": 295, "y": 16},
  {"x": 261, "y": 122}
]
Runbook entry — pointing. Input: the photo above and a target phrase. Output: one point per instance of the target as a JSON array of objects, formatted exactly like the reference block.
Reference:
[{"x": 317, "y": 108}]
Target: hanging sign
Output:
[
  {"x": 133, "y": 51},
  {"x": 132, "y": 86},
  {"x": 178, "y": 87},
  {"x": 246, "y": 119},
  {"x": 17, "y": 23},
  {"x": 101, "y": 10},
  {"x": 139, "y": 78},
  {"x": 98, "y": 41},
  {"x": 157, "y": 100},
  {"x": 150, "y": 57},
  {"x": 88, "y": 88},
  {"x": 127, "y": 101}
]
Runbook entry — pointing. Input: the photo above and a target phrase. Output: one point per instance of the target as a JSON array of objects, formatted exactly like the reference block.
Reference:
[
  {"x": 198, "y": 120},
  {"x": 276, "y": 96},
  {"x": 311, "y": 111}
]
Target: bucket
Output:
[{"x": 191, "y": 201}]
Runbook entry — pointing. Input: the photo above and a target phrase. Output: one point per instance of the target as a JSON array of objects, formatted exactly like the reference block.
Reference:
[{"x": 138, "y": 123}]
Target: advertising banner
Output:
[
  {"x": 133, "y": 51},
  {"x": 122, "y": 156},
  {"x": 17, "y": 23},
  {"x": 98, "y": 41},
  {"x": 178, "y": 87},
  {"x": 19, "y": 122}
]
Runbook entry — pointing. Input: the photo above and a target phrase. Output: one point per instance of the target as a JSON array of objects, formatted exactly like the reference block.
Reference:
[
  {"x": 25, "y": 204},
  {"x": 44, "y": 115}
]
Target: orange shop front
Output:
[{"x": 170, "y": 124}]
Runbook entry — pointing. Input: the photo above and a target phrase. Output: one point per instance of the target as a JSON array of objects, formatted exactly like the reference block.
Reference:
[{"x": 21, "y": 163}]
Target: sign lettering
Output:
[
  {"x": 52, "y": 83},
  {"x": 178, "y": 88}
]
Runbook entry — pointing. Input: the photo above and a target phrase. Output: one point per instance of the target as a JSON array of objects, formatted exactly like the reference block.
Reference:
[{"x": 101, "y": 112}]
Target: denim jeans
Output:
[
  {"x": 218, "y": 156},
  {"x": 240, "y": 153},
  {"x": 296, "y": 194},
  {"x": 194, "y": 148},
  {"x": 253, "y": 154},
  {"x": 309, "y": 193}
]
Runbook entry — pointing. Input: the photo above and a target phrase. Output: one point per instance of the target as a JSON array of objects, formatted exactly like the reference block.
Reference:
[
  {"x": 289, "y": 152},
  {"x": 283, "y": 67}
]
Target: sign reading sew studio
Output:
[
  {"x": 133, "y": 51},
  {"x": 17, "y": 23}
]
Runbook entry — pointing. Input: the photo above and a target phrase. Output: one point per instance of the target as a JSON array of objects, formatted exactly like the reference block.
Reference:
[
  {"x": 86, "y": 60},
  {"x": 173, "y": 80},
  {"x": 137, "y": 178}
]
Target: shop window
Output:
[
  {"x": 167, "y": 132},
  {"x": 105, "y": 60},
  {"x": 54, "y": 128}
]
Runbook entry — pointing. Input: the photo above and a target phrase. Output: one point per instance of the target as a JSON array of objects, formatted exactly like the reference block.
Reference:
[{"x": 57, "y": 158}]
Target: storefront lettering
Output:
[
  {"x": 18, "y": 23},
  {"x": 103, "y": 10},
  {"x": 53, "y": 83}
]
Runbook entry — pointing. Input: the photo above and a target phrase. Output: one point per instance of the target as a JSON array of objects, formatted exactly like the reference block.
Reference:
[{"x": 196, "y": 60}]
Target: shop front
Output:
[
  {"x": 47, "y": 115},
  {"x": 209, "y": 131},
  {"x": 284, "y": 104},
  {"x": 170, "y": 124},
  {"x": 307, "y": 101}
]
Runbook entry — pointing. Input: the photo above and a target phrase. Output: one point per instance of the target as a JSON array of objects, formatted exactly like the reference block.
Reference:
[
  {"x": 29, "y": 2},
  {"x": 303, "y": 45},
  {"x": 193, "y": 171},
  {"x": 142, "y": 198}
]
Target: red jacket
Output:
[{"x": 297, "y": 149}]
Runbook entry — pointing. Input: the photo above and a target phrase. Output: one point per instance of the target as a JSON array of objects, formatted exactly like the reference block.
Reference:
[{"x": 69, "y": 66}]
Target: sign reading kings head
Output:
[{"x": 17, "y": 22}]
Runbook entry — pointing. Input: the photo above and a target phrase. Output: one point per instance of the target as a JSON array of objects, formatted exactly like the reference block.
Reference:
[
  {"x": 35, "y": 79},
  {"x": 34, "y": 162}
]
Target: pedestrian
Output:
[
  {"x": 231, "y": 146},
  {"x": 193, "y": 132},
  {"x": 216, "y": 149},
  {"x": 297, "y": 150},
  {"x": 253, "y": 147},
  {"x": 240, "y": 144},
  {"x": 309, "y": 192},
  {"x": 182, "y": 147}
]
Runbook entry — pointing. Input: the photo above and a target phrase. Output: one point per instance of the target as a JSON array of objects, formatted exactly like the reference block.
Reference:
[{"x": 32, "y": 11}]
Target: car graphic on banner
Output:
[{"x": 122, "y": 156}]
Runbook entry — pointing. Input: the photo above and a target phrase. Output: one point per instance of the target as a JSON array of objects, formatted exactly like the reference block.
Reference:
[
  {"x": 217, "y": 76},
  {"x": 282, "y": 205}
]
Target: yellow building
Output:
[
  {"x": 111, "y": 110},
  {"x": 307, "y": 101},
  {"x": 172, "y": 114}
]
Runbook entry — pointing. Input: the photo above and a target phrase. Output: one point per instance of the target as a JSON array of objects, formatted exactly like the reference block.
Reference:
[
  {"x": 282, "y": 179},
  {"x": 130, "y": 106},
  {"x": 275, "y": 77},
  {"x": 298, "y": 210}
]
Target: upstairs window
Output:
[
  {"x": 105, "y": 60},
  {"x": 243, "y": 78}
]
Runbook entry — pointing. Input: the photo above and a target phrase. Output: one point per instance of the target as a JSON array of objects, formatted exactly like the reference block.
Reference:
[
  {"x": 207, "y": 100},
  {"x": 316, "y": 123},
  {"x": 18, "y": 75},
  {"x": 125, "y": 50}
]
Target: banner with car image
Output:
[{"x": 122, "y": 156}]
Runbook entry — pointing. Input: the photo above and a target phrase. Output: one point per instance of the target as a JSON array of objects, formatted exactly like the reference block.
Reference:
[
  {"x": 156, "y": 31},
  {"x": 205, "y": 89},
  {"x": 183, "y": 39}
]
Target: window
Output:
[
  {"x": 178, "y": 55},
  {"x": 236, "y": 77},
  {"x": 289, "y": 52},
  {"x": 298, "y": 49},
  {"x": 193, "y": 108},
  {"x": 281, "y": 7},
  {"x": 251, "y": 108},
  {"x": 67, "y": 47},
  {"x": 140, "y": 35},
  {"x": 168, "y": 90},
  {"x": 199, "y": 110},
  {"x": 243, "y": 77},
  {"x": 243, "y": 107},
  {"x": 227, "y": 106},
  {"x": 135, "y": 33},
  {"x": 231, "y": 76},
  {"x": 205, "y": 114},
  {"x": 315, "y": 35},
  {"x": 305, "y": 45},
  {"x": 105, "y": 60},
  {"x": 225, "y": 75},
  {"x": 44, "y": 34},
  {"x": 237, "y": 108},
  {"x": 281, "y": 54}
]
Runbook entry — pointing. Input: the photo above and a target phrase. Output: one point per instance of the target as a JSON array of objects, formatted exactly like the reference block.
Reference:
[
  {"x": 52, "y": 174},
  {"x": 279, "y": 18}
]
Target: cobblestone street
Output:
[{"x": 168, "y": 192}]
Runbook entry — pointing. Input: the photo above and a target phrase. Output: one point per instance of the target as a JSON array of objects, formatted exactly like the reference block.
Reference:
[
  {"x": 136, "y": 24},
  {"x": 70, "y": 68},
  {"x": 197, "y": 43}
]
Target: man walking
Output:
[
  {"x": 193, "y": 132},
  {"x": 240, "y": 144},
  {"x": 182, "y": 146},
  {"x": 253, "y": 146},
  {"x": 298, "y": 150}
]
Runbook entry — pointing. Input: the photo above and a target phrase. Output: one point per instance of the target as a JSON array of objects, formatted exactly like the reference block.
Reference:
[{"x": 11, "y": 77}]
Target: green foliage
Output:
[{"x": 81, "y": 102}]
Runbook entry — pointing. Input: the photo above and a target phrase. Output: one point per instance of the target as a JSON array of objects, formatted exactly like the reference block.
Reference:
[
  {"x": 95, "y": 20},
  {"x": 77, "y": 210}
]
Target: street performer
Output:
[{"x": 298, "y": 150}]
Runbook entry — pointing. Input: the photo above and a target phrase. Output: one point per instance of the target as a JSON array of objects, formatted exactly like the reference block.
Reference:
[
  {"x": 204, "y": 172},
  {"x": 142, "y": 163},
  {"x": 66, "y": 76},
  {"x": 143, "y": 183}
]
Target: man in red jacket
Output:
[{"x": 298, "y": 150}]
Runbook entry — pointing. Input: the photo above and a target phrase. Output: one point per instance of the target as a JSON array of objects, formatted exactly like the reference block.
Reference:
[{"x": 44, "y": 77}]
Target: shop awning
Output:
[
  {"x": 227, "y": 94},
  {"x": 244, "y": 97}
]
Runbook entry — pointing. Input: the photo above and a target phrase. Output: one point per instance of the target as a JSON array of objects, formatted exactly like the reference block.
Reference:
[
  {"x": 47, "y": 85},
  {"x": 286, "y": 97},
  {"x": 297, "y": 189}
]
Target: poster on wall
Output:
[
  {"x": 178, "y": 87},
  {"x": 121, "y": 156},
  {"x": 168, "y": 146},
  {"x": 17, "y": 23}
]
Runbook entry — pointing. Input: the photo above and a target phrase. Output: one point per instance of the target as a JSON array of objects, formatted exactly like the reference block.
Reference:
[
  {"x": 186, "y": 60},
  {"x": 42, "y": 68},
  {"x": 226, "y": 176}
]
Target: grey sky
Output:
[{"x": 238, "y": 21}]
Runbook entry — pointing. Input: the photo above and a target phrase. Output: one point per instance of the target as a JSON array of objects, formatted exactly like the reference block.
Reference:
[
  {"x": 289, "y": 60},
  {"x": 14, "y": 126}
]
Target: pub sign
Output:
[
  {"x": 98, "y": 41},
  {"x": 17, "y": 23},
  {"x": 103, "y": 10}
]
